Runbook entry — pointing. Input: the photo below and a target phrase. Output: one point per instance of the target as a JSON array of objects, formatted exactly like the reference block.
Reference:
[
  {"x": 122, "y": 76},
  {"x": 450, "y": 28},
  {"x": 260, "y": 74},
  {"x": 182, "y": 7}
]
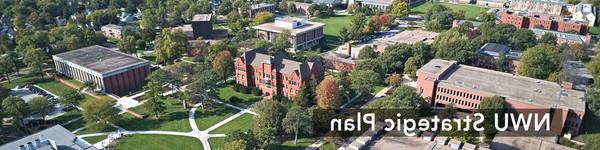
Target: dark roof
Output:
[
  {"x": 100, "y": 59},
  {"x": 53, "y": 138},
  {"x": 494, "y": 49},
  {"x": 328, "y": 2},
  {"x": 280, "y": 63}
]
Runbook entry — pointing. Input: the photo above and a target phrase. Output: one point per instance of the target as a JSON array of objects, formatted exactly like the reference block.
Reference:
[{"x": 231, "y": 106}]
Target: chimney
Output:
[
  {"x": 30, "y": 145},
  {"x": 349, "y": 49},
  {"x": 22, "y": 147},
  {"x": 37, "y": 143}
]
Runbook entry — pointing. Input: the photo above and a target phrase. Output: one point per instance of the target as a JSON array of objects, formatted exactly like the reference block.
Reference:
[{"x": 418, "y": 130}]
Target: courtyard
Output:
[{"x": 471, "y": 11}]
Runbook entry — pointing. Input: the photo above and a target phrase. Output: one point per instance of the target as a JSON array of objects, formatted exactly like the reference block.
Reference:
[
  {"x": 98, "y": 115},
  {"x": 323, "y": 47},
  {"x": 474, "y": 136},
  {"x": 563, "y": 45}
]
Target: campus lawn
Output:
[
  {"x": 20, "y": 81},
  {"x": 74, "y": 125},
  {"x": 216, "y": 143},
  {"x": 302, "y": 144},
  {"x": 227, "y": 92},
  {"x": 96, "y": 129},
  {"x": 67, "y": 116},
  {"x": 95, "y": 139},
  {"x": 56, "y": 87},
  {"x": 158, "y": 142},
  {"x": 332, "y": 30},
  {"x": 214, "y": 115},
  {"x": 73, "y": 81},
  {"x": 244, "y": 122},
  {"x": 471, "y": 11},
  {"x": 175, "y": 118},
  {"x": 328, "y": 146}
]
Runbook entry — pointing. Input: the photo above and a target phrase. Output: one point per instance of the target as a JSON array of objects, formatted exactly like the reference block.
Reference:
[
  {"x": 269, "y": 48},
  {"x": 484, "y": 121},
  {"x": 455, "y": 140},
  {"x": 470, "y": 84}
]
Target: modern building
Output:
[
  {"x": 202, "y": 25},
  {"x": 110, "y": 71},
  {"x": 492, "y": 3},
  {"x": 443, "y": 82},
  {"x": 584, "y": 13},
  {"x": 406, "y": 37},
  {"x": 526, "y": 20},
  {"x": 275, "y": 75},
  {"x": 561, "y": 37},
  {"x": 112, "y": 30},
  {"x": 304, "y": 34},
  {"x": 53, "y": 138},
  {"x": 550, "y": 7},
  {"x": 261, "y": 7}
]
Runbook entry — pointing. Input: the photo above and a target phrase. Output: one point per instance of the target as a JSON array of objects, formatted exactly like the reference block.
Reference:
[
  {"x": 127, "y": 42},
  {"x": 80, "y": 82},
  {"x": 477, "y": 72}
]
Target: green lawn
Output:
[
  {"x": 67, "y": 116},
  {"x": 158, "y": 142},
  {"x": 471, "y": 11},
  {"x": 377, "y": 88},
  {"x": 74, "y": 125},
  {"x": 244, "y": 122},
  {"x": 332, "y": 30},
  {"x": 328, "y": 146},
  {"x": 175, "y": 118},
  {"x": 226, "y": 93},
  {"x": 216, "y": 143},
  {"x": 20, "y": 81},
  {"x": 214, "y": 115},
  {"x": 594, "y": 31},
  {"x": 96, "y": 129},
  {"x": 56, "y": 87},
  {"x": 302, "y": 144},
  {"x": 95, "y": 139},
  {"x": 73, "y": 81}
]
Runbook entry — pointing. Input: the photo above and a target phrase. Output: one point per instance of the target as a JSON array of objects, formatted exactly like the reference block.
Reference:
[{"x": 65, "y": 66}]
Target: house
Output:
[
  {"x": 260, "y": 7},
  {"x": 584, "y": 13},
  {"x": 275, "y": 75},
  {"x": 303, "y": 34},
  {"x": 338, "y": 61},
  {"x": 110, "y": 71},
  {"x": 53, "y": 138},
  {"x": 443, "y": 82},
  {"x": 112, "y": 30},
  {"x": 405, "y": 37}
]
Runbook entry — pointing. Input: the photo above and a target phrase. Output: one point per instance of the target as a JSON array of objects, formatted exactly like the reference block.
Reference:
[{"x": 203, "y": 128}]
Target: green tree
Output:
[
  {"x": 7, "y": 66},
  {"x": 500, "y": 62},
  {"x": 367, "y": 53},
  {"x": 487, "y": 17},
  {"x": 34, "y": 58},
  {"x": 156, "y": 106},
  {"x": 72, "y": 98},
  {"x": 41, "y": 105},
  {"x": 16, "y": 108},
  {"x": 404, "y": 97},
  {"x": 234, "y": 145},
  {"x": 128, "y": 45},
  {"x": 291, "y": 8},
  {"x": 223, "y": 64},
  {"x": 411, "y": 66},
  {"x": 451, "y": 45},
  {"x": 280, "y": 43},
  {"x": 592, "y": 97},
  {"x": 169, "y": 45},
  {"x": 263, "y": 17},
  {"x": 268, "y": 123},
  {"x": 539, "y": 61},
  {"x": 488, "y": 107},
  {"x": 363, "y": 80},
  {"x": 97, "y": 112},
  {"x": 297, "y": 121},
  {"x": 522, "y": 39},
  {"x": 547, "y": 38},
  {"x": 283, "y": 6},
  {"x": 400, "y": 8}
]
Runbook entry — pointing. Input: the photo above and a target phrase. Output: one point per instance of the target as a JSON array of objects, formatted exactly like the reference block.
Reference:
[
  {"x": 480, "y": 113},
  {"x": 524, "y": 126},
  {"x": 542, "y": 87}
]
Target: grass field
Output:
[
  {"x": 95, "y": 139},
  {"x": 225, "y": 94},
  {"x": 216, "y": 143},
  {"x": 20, "y": 81},
  {"x": 96, "y": 129},
  {"x": 174, "y": 119},
  {"x": 74, "y": 125},
  {"x": 332, "y": 30},
  {"x": 471, "y": 11},
  {"x": 158, "y": 142},
  {"x": 302, "y": 144},
  {"x": 594, "y": 31},
  {"x": 328, "y": 146},
  {"x": 214, "y": 115},
  {"x": 67, "y": 116},
  {"x": 244, "y": 122}
]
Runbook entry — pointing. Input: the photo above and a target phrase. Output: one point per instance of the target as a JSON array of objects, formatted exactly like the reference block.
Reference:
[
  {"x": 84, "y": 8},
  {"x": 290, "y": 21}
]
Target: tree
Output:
[
  {"x": 451, "y": 45},
  {"x": 344, "y": 35},
  {"x": 235, "y": 145},
  {"x": 291, "y": 8},
  {"x": 305, "y": 94},
  {"x": 547, "y": 38},
  {"x": 72, "y": 98},
  {"x": 16, "y": 108},
  {"x": 7, "y": 66},
  {"x": 327, "y": 94},
  {"x": 223, "y": 64},
  {"x": 280, "y": 43},
  {"x": 367, "y": 53},
  {"x": 411, "y": 66},
  {"x": 128, "y": 45},
  {"x": 500, "y": 62},
  {"x": 268, "y": 123},
  {"x": 283, "y": 6},
  {"x": 488, "y": 107},
  {"x": 262, "y": 17},
  {"x": 41, "y": 105},
  {"x": 246, "y": 136},
  {"x": 98, "y": 112},
  {"x": 522, "y": 39},
  {"x": 592, "y": 97},
  {"x": 539, "y": 61},
  {"x": 34, "y": 58},
  {"x": 487, "y": 17},
  {"x": 363, "y": 80},
  {"x": 297, "y": 121},
  {"x": 439, "y": 17},
  {"x": 155, "y": 105},
  {"x": 400, "y": 8},
  {"x": 316, "y": 14},
  {"x": 169, "y": 45},
  {"x": 394, "y": 80}
]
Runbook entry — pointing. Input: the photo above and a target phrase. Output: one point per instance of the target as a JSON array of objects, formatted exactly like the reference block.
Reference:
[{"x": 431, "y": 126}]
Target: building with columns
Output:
[
  {"x": 111, "y": 71},
  {"x": 304, "y": 34},
  {"x": 443, "y": 82}
]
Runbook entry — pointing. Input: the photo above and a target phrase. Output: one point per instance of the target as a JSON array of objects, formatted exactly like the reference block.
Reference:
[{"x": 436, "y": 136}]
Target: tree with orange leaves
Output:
[{"x": 328, "y": 96}]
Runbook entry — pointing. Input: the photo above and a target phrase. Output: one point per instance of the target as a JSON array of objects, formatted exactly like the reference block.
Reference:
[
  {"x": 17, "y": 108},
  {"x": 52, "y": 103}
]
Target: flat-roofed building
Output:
[
  {"x": 406, "y": 37},
  {"x": 377, "y": 4},
  {"x": 514, "y": 141},
  {"x": 546, "y": 22},
  {"x": 551, "y": 7},
  {"x": 260, "y": 7},
  {"x": 112, "y": 30},
  {"x": 304, "y": 34},
  {"x": 561, "y": 37},
  {"x": 53, "y": 138},
  {"x": 202, "y": 25},
  {"x": 110, "y": 71},
  {"x": 492, "y": 3},
  {"x": 443, "y": 82}
]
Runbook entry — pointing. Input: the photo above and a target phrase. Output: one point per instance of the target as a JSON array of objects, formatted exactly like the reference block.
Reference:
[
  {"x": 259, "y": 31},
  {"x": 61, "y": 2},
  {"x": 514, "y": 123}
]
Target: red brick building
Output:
[
  {"x": 275, "y": 75},
  {"x": 443, "y": 82},
  {"x": 110, "y": 71},
  {"x": 524, "y": 20}
]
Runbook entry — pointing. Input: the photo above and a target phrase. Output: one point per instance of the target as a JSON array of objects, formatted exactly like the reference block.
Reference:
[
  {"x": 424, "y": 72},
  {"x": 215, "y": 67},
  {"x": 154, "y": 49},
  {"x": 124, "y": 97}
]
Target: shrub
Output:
[
  {"x": 256, "y": 91},
  {"x": 244, "y": 90},
  {"x": 236, "y": 87},
  {"x": 234, "y": 99}
]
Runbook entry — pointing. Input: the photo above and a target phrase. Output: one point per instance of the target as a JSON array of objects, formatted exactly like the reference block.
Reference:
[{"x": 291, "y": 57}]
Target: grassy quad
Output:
[
  {"x": 216, "y": 143},
  {"x": 226, "y": 93},
  {"x": 218, "y": 112},
  {"x": 244, "y": 122},
  {"x": 302, "y": 144},
  {"x": 175, "y": 118},
  {"x": 471, "y": 11},
  {"x": 95, "y": 139},
  {"x": 332, "y": 30},
  {"x": 158, "y": 142}
]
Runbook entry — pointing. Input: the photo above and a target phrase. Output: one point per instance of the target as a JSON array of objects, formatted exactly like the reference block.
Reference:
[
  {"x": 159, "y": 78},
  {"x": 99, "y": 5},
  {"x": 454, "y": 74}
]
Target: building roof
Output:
[
  {"x": 576, "y": 73},
  {"x": 327, "y": 2},
  {"x": 383, "y": 2},
  {"x": 561, "y": 35},
  {"x": 280, "y": 63},
  {"x": 333, "y": 56},
  {"x": 541, "y": 93},
  {"x": 261, "y": 5},
  {"x": 511, "y": 140},
  {"x": 100, "y": 59},
  {"x": 494, "y": 49},
  {"x": 113, "y": 26},
  {"x": 272, "y": 27},
  {"x": 202, "y": 17},
  {"x": 413, "y": 36},
  {"x": 53, "y": 138}
]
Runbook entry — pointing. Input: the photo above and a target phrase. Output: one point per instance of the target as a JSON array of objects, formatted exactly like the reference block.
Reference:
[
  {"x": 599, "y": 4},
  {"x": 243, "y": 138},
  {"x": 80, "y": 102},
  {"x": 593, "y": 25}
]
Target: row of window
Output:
[
  {"x": 572, "y": 124},
  {"x": 459, "y": 93},
  {"x": 574, "y": 115},
  {"x": 457, "y": 101}
]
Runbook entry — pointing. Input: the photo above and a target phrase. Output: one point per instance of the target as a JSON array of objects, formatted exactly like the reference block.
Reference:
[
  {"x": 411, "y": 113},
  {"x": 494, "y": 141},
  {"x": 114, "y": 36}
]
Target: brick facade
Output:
[{"x": 521, "y": 20}]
